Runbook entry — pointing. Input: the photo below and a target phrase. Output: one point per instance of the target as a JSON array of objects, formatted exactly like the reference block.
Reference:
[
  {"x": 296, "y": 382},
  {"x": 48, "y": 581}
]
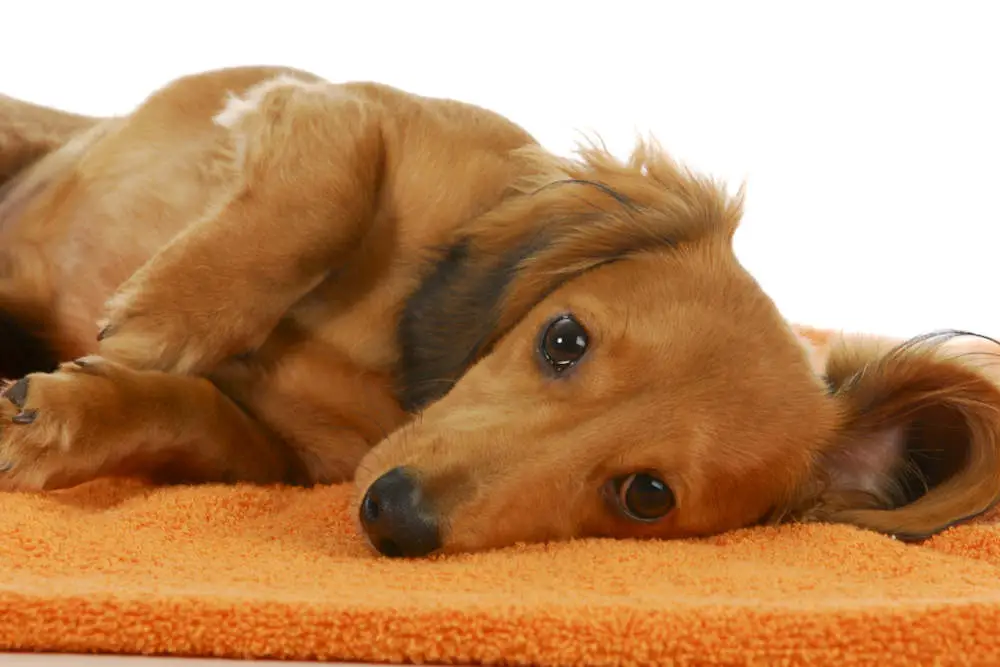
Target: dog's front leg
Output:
[
  {"x": 307, "y": 158},
  {"x": 94, "y": 418}
]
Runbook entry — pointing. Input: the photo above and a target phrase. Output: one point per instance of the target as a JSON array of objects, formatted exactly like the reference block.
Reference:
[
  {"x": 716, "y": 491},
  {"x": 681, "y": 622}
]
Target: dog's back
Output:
[
  {"x": 29, "y": 133},
  {"x": 86, "y": 202}
]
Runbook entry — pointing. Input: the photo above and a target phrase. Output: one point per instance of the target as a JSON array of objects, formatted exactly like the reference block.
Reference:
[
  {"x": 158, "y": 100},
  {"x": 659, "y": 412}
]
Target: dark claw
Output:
[
  {"x": 81, "y": 362},
  {"x": 24, "y": 417},
  {"x": 6, "y": 466},
  {"x": 104, "y": 333},
  {"x": 17, "y": 393}
]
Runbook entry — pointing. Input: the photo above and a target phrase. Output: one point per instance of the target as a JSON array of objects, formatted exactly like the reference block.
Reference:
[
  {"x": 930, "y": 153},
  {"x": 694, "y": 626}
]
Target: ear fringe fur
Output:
[
  {"x": 949, "y": 381},
  {"x": 649, "y": 175},
  {"x": 595, "y": 208}
]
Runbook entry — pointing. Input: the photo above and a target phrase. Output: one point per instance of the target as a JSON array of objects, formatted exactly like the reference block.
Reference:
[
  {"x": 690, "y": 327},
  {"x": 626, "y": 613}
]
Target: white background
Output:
[{"x": 868, "y": 133}]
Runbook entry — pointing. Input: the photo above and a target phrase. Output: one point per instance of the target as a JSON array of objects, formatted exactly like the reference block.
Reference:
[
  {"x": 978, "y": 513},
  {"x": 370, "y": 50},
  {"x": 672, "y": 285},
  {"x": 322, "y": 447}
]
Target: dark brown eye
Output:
[
  {"x": 643, "y": 497},
  {"x": 564, "y": 342}
]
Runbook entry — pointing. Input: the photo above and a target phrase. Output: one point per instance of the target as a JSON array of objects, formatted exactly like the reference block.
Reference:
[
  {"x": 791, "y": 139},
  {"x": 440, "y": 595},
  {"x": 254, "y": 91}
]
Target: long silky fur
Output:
[{"x": 918, "y": 378}]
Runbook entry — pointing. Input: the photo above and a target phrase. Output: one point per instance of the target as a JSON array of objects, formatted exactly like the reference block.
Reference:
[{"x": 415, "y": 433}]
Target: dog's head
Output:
[{"x": 592, "y": 360}]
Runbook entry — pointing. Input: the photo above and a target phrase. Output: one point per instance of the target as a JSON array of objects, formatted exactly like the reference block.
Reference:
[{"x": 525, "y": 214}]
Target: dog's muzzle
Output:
[{"x": 397, "y": 517}]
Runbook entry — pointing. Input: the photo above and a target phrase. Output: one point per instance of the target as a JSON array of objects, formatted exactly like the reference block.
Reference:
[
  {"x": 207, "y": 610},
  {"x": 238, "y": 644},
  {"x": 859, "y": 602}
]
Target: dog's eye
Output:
[
  {"x": 643, "y": 497},
  {"x": 564, "y": 342}
]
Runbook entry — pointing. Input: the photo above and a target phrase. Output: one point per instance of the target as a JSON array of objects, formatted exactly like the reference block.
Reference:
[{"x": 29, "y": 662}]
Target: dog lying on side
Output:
[{"x": 302, "y": 282}]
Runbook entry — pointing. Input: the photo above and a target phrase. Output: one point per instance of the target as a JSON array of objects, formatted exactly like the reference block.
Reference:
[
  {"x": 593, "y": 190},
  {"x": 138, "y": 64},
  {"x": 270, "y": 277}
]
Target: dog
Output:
[{"x": 259, "y": 276}]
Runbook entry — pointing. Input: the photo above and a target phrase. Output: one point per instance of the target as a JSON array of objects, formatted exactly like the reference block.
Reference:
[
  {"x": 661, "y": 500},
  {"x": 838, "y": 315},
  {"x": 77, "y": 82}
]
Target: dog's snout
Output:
[{"x": 398, "y": 518}]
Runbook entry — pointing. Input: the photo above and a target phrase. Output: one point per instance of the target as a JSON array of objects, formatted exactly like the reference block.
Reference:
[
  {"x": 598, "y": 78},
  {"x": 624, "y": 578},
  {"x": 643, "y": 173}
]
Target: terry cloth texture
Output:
[{"x": 115, "y": 566}]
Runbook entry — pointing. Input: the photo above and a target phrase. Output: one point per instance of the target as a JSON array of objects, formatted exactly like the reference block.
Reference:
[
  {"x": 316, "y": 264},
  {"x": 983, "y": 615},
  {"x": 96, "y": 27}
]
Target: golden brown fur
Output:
[{"x": 305, "y": 282}]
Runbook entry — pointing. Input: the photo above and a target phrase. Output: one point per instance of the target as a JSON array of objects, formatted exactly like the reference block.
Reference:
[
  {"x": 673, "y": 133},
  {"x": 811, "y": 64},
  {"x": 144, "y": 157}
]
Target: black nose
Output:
[{"x": 397, "y": 517}]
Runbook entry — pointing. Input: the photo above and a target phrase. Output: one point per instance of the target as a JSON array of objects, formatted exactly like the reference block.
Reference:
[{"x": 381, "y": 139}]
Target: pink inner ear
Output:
[{"x": 866, "y": 463}]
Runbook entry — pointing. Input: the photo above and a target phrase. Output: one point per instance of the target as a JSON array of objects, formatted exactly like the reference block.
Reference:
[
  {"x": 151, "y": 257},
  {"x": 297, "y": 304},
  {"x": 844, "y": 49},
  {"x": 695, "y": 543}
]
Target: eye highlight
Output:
[
  {"x": 641, "y": 497},
  {"x": 563, "y": 343}
]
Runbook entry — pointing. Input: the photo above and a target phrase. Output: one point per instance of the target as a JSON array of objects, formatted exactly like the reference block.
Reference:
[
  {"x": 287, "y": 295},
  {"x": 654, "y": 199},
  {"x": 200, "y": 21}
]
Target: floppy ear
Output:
[
  {"x": 919, "y": 450},
  {"x": 561, "y": 219}
]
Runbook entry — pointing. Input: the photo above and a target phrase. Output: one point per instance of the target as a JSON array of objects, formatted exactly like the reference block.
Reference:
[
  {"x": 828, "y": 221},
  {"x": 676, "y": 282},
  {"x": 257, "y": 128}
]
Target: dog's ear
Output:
[
  {"x": 919, "y": 449},
  {"x": 561, "y": 219}
]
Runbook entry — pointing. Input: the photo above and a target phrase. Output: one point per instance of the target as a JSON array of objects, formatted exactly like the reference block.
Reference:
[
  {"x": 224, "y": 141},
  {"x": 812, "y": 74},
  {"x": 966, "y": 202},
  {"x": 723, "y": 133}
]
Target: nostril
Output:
[
  {"x": 369, "y": 508},
  {"x": 389, "y": 549}
]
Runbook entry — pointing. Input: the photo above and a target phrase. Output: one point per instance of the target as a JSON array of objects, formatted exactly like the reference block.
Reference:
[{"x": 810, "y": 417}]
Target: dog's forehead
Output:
[
  {"x": 665, "y": 287},
  {"x": 479, "y": 290},
  {"x": 671, "y": 334}
]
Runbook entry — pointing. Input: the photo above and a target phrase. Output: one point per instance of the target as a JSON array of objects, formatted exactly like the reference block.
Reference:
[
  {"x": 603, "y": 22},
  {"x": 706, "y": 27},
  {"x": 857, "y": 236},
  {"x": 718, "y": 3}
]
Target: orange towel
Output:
[{"x": 243, "y": 571}]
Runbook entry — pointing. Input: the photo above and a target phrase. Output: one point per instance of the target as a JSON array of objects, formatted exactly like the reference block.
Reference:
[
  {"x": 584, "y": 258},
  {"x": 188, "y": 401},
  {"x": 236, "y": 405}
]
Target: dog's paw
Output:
[
  {"x": 146, "y": 338},
  {"x": 50, "y": 423},
  {"x": 144, "y": 331}
]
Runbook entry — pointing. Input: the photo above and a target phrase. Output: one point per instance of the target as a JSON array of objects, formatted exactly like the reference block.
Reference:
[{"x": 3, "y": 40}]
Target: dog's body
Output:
[
  {"x": 294, "y": 270},
  {"x": 123, "y": 189}
]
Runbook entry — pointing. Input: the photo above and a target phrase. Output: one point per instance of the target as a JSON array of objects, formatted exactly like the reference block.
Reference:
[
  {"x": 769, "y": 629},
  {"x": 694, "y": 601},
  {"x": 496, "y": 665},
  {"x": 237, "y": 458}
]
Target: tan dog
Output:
[{"x": 301, "y": 281}]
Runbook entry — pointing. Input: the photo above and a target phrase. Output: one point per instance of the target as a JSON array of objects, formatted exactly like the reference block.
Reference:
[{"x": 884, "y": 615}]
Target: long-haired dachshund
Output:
[{"x": 303, "y": 282}]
